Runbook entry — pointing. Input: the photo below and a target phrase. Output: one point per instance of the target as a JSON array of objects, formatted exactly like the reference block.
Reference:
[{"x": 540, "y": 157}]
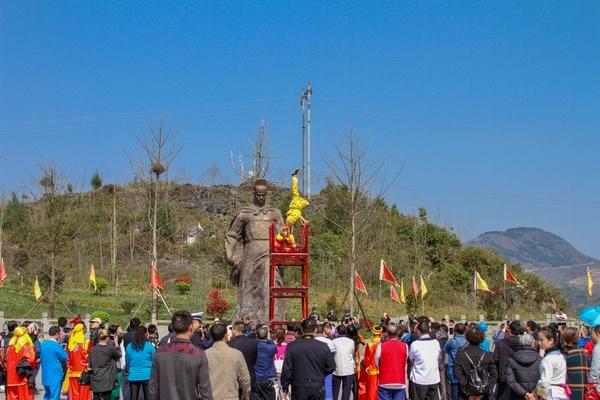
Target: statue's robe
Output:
[{"x": 247, "y": 250}]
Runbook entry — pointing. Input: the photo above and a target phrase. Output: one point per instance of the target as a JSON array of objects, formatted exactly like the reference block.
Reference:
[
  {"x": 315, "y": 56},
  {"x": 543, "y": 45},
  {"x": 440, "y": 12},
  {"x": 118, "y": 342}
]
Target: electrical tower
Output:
[{"x": 305, "y": 98}]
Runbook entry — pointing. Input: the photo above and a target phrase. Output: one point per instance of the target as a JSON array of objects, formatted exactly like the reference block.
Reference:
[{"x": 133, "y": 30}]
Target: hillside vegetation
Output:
[
  {"x": 533, "y": 248},
  {"x": 75, "y": 230}
]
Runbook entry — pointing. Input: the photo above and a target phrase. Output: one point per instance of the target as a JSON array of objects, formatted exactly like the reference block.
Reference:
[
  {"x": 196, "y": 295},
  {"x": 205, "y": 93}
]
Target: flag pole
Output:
[
  {"x": 475, "y": 287},
  {"x": 588, "y": 285}
]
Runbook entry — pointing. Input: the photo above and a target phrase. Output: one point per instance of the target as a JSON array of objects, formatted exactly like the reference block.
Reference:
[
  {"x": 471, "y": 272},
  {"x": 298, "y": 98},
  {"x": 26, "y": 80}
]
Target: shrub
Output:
[
  {"x": 128, "y": 306},
  {"x": 103, "y": 315},
  {"x": 148, "y": 311},
  {"x": 183, "y": 287},
  {"x": 412, "y": 304},
  {"x": 184, "y": 278},
  {"x": 217, "y": 305},
  {"x": 101, "y": 284}
]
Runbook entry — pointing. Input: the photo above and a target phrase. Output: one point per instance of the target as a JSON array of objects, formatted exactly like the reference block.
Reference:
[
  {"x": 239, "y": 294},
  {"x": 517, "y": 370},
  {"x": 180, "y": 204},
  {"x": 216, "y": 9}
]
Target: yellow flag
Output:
[
  {"x": 590, "y": 282},
  {"x": 37, "y": 292},
  {"x": 402, "y": 296},
  {"x": 423, "y": 288},
  {"x": 93, "y": 278},
  {"x": 480, "y": 284}
]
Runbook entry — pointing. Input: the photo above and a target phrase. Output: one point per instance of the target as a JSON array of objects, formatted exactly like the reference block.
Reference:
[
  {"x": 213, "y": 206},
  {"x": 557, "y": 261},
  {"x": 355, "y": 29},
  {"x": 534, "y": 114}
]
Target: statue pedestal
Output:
[{"x": 297, "y": 257}]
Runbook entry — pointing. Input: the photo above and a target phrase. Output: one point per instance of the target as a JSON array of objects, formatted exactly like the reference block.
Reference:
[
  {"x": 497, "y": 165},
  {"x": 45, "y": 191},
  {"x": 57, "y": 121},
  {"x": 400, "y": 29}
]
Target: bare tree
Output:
[
  {"x": 259, "y": 157},
  {"x": 160, "y": 150},
  {"x": 113, "y": 240},
  {"x": 360, "y": 177}
]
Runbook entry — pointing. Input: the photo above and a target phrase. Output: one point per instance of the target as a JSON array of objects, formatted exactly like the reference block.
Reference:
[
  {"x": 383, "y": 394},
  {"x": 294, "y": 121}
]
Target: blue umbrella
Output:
[{"x": 590, "y": 315}]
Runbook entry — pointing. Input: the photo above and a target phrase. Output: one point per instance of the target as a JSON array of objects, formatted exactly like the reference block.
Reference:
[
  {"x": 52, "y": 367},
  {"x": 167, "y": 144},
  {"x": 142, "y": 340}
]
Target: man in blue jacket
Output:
[
  {"x": 53, "y": 358},
  {"x": 264, "y": 368},
  {"x": 451, "y": 348}
]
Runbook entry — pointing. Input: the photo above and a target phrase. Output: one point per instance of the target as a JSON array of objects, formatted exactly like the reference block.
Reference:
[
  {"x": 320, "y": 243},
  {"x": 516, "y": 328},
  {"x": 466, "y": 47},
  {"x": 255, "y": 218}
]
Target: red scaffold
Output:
[{"x": 288, "y": 257}]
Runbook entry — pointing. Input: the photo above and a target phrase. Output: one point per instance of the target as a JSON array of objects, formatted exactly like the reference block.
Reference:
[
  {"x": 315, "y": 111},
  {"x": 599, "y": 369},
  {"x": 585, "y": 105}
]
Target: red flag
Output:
[
  {"x": 385, "y": 274},
  {"x": 156, "y": 282},
  {"x": 359, "y": 284},
  {"x": 415, "y": 286},
  {"x": 394, "y": 295},
  {"x": 2, "y": 272},
  {"x": 508, "y": 276}
]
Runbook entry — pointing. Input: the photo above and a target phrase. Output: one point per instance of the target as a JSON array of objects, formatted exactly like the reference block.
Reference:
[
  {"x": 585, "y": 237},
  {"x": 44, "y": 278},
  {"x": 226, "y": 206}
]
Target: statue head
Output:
[{"x": 260, "y": 192}]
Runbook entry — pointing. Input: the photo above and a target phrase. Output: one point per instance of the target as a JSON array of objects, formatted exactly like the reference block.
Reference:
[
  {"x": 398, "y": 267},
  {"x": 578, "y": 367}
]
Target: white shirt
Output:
[
  {"x": 344, "y": 356},
  {"x": 328, "y": 342},
  {"x": 553, "y": 372},
  {"x": 424, "y": 355}
]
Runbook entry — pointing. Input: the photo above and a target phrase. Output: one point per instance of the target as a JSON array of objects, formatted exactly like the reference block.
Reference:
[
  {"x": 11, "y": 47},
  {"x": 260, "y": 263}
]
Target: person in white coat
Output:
[{"x": 553, "y": 368}]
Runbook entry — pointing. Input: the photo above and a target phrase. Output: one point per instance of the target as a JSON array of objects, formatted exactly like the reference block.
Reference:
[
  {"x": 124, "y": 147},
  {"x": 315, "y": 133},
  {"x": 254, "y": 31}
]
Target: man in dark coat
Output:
[
  {"x": 180, "y": 369},
  {"x": 307, "y": 361},
  {"x": 523, "y": 370},
  {"x": 249, "y": 348},
  {"x": 504, "y": 349}
]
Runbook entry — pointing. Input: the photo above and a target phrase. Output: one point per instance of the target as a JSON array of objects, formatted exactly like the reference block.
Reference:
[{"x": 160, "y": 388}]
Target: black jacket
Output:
[
  {"x": 523, "y": 371},
  {"x": 306, "y": 363},
  {"x": 463, "y": 367},
  {"x": 249, "y": 348},
  {"x": 502, "y": 352},
  {"x": 103, "y": 362}
]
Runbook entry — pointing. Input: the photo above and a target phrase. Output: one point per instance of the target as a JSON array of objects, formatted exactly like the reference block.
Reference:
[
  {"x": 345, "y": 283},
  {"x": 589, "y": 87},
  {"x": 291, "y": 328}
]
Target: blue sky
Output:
[{"x": 490, "y": 110}]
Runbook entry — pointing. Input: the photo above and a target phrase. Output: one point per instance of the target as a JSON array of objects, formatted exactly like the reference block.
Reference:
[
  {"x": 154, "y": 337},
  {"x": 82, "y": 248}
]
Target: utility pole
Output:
[{"x": 305, "y": 106}]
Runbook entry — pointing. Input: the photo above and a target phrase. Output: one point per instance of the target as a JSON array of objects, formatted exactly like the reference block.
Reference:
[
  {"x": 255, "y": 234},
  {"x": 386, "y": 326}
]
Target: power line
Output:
[{"x": 91, "y": 120}]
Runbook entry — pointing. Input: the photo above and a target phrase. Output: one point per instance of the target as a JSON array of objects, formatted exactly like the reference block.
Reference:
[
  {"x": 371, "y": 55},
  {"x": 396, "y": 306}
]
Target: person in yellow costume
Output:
[
  {"x": 20, "y": 357},
  {"x": 297, "y": 204},
  {"x": 78, "y": 351},
  {"x": 369, "y": 373}
]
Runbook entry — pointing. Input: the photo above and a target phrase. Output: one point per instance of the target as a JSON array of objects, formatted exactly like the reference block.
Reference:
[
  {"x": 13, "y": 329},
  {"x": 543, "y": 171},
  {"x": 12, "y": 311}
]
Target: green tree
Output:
[
  {"x": 54, "y": 225},
  {"x": 96, "y": 181}
]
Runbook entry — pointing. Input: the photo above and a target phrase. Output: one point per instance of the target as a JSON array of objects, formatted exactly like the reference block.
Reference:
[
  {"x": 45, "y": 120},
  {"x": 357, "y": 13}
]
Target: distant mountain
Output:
[{"x": 533, "y": 248}]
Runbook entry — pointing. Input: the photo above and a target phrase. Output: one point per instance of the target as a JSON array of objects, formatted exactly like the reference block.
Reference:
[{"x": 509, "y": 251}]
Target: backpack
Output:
[{"x": 478, "y": 379}]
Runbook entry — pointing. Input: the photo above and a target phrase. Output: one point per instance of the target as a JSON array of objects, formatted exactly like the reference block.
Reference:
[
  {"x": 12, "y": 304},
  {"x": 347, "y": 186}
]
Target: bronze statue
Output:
[{"x": 247, "y": 251}]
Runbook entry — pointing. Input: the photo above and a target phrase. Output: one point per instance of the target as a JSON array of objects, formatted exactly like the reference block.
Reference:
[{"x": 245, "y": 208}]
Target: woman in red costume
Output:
[
  {"x": 78, "y": 349},
  {"x": 21, "y": 359},
  {"x": 285, "y": 241}
]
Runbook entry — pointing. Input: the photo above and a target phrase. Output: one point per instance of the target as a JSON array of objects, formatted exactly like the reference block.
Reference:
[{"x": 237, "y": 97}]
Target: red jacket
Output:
[{"x": 393, "y": 354}]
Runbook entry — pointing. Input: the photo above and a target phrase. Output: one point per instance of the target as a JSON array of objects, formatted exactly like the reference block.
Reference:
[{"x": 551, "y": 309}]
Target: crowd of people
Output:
[{"x": 420, "y": 359}]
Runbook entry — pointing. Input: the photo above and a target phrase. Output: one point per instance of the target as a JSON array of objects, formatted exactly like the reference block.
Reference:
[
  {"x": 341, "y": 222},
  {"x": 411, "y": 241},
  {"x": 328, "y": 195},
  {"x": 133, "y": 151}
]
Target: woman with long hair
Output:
[
  {"x": 103, "y": 363},
  {"x": 553, "y": 368},
  {"x": 138, "y": 359}
]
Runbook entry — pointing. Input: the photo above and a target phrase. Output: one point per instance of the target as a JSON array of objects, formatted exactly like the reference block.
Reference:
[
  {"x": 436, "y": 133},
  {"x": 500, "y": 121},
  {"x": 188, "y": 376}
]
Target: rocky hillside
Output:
[{"x": 533, "y": 248}]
